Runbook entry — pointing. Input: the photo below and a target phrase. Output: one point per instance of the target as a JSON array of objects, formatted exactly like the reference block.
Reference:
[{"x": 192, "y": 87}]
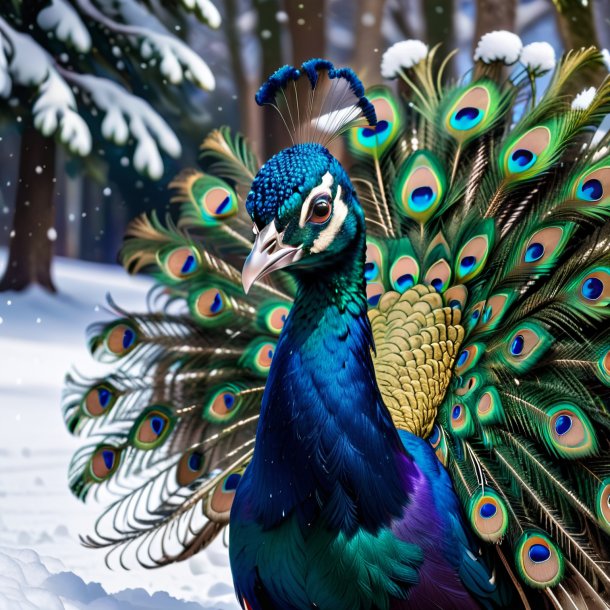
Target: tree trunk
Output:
[
  {"x": 306, "y": 23},
  {"x": 369, "y": 45},
  {"x": 577, "y": 30},
  {"x": 494, "y": 15},
  {"x": 438, "y": 17},
  {"x": 31, "y": 250},
  {"x": 237, "y": 66},
  {"x": 274, "y": 136}
]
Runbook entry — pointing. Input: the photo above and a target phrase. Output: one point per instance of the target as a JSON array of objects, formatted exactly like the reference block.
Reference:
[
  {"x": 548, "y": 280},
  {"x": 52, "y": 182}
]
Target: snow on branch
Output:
[
  {"x": 55, "y": 110},
  {"x": 176, "y": 60},
  {"x": 204, "y": 10},
  {"x": 5, "y": 78},
  {"x": 126, "y": 116},
  {"x": 61, "y": 19}
]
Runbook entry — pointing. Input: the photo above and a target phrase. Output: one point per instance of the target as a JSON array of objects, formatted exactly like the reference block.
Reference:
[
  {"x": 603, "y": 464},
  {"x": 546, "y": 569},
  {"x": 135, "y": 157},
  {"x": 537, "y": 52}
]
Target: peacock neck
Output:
[{"x": 326, "y": 447}]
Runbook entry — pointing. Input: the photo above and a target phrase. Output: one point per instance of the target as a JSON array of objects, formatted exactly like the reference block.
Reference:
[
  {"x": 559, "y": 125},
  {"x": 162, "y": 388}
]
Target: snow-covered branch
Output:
[
  {"x": 204, "y": 10},
  {"x": 176, "y": 60},
  {"x": 126, "y": 115},
  {"x": 61, "y": 19},
  {"x": 5, "y": 78},
  {"x": 55, "y": 109}
]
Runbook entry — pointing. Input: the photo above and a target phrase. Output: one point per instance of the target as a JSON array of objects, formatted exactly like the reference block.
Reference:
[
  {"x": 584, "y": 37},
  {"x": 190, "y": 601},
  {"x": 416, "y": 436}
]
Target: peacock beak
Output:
[{"x": 267, "y": 255}]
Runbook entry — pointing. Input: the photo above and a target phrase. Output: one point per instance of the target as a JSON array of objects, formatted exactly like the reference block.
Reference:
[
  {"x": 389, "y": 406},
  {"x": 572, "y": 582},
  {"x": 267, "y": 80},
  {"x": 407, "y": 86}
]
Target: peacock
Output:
[{"x": 392, "y": 382}]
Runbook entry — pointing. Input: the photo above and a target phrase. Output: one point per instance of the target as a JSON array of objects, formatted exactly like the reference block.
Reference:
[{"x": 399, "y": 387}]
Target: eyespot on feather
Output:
[
  {"x": 180, "y": 263},
  {"x": 190, "y": 467},
  {"x": 521, "y": 158},
  {"x": 375, "y": 261},
  {"x": 273, "y": 316},
  {"x": 121, "y": 338},
  {"x": 258, "y": 355},
  {"x": 603, "y": 367},
  {"x": 439, "y": 275},
  {"x": 602, "y": 504},
  {"x": 468, "y": 358},
  {"x": 210, "y": 305},
  {"x": 218, "y": 506},
  {"x": 468, "y": 385},
  {"x": 473, "y": 316},
  {"x": 570, "y": 433},
  {"x": 439, "y": 443},
  {"x": 365, "y": 141},
  {"x": 488, "y": 515},
  {"x": 489, "y": 407},
  {"x": 472, "y": 258},
  {"x": 539, "y": 561},
  {"x": 544, "y": 246},
  {"x": 104, "y": 462},
  {"x": 493, "y": 311},
  {"x": 208, "y": 200},
  {"x": 525, "y": 345},
  {"x": 404, "y": 273},
  {"x": 468, "y": 111},
  {"x": 152, "y": 427},
  {"x": 456, "y": 296},
  {"x": 420, "y": 186},
  {"x": 595, "y": 287},
  {"x": 99, "y": 399},
  {"x": 472, "y": 110},
  {"x": 593, "y": 187},
  {"x": 460, "y": 421},
  {"x": 374, "y": 291},
  {"x": 222, "y": 403}
]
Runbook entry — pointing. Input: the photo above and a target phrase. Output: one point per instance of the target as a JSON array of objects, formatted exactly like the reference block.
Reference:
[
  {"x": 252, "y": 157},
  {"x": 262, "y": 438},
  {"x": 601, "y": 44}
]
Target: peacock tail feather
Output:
[{"x": 488, "y": 283}]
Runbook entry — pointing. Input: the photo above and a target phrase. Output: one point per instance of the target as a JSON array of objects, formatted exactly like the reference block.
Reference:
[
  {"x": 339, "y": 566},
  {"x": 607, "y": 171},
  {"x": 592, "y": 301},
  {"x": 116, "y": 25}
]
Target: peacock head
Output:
[
  {"x": 305, "y": 213},
  {"x": 302, "y": 202}
]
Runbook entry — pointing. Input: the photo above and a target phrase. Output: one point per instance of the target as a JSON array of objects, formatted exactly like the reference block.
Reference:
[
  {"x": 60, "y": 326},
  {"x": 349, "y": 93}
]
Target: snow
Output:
[
  {"x": 498, "y": 46},
  {"x": 40, "y": 520},
  {"x": 538, "y": 57},
  {"x": 32, "y": 582},
  {"x": 402, "y": 56},
  {"x": 127, "y": 114},
  {"x": 56, "y": 107},
  {"x": 205, "y": 10},
  {"x": 5, "y": 79},
  {"x": 606, "y": 58},
  {"x": 583, "y": 100},
  {"x": 61, "y": 19},
  {"x": 29, "y": 64}
]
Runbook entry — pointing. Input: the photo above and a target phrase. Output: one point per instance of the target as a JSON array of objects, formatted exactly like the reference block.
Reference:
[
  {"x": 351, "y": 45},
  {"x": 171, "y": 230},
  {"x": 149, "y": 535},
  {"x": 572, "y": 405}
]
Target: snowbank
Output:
[{"x": 42, "y": 336}]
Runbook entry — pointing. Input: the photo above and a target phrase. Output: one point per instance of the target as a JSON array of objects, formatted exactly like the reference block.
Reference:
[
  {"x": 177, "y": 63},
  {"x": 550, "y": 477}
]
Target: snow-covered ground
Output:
[{"x": 42, "y": 564}]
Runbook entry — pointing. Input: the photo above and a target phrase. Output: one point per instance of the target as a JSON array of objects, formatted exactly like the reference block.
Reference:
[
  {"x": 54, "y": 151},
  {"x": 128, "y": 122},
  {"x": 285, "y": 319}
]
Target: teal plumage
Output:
[{"x": 408, "y": 405}]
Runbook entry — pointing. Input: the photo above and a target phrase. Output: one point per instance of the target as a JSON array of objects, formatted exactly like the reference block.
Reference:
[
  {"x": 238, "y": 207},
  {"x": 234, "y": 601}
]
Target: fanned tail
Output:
[
  {"x": 502, "y": 204},
  {"x": 172, "y": 427}
]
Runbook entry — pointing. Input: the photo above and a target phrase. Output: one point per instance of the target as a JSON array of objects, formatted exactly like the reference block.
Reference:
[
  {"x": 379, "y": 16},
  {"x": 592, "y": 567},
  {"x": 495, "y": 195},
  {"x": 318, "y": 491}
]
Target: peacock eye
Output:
[{"x": 321, "y": 209}]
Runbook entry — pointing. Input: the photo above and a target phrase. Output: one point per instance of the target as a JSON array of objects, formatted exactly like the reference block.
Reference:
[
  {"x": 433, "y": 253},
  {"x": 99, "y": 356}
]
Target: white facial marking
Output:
[
  {"x": 334, "y": 226},
  {"x": 324, "y": 187}
]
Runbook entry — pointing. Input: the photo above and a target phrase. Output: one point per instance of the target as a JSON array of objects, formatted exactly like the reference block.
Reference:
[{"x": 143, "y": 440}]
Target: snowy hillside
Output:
[{"x": 41, "y": 337}]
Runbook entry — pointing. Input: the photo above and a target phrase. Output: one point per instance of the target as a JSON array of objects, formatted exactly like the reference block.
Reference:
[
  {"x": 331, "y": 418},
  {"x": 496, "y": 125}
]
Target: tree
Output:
[
  {"x": 68, "y": 71},
  {"x": 494, "y": 15},
  {"x": 576, "y": 24}
]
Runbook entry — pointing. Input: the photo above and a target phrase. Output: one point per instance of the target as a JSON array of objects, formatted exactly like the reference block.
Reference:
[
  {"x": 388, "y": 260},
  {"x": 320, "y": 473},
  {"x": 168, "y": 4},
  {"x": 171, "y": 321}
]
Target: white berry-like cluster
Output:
[{"x": 402, "y": 56}]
